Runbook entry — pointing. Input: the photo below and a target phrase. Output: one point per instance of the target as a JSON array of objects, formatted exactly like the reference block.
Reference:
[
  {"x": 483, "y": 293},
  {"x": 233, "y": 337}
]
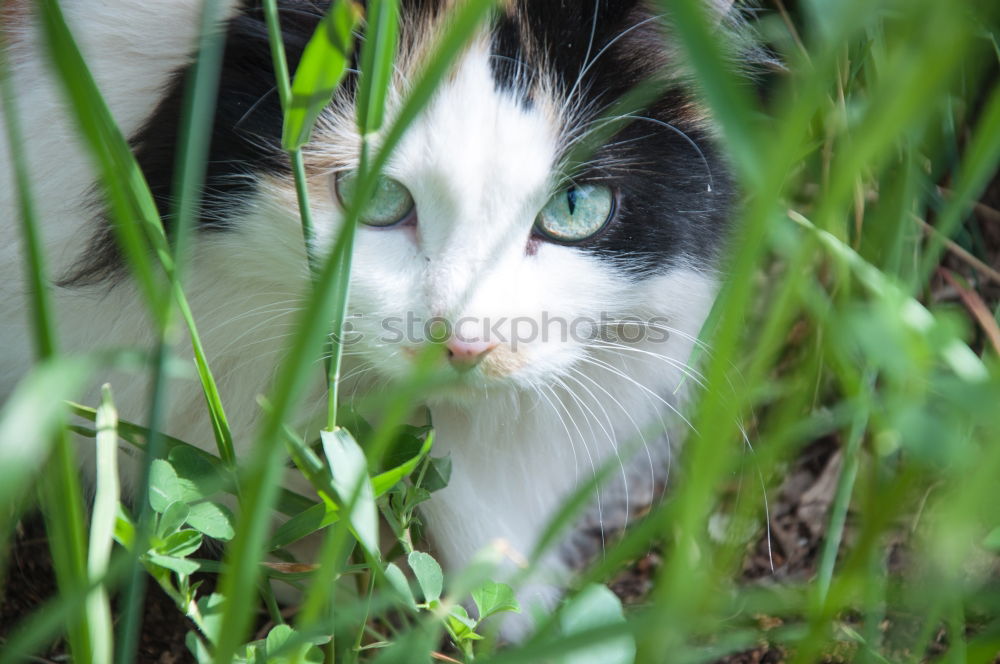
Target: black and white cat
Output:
[{"x": 477, "y": 221}]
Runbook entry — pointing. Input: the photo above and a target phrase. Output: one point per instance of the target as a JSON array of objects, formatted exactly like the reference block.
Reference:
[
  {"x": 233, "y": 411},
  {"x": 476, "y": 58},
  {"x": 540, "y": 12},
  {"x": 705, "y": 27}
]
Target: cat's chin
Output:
[{"x": 467, "y": 393}]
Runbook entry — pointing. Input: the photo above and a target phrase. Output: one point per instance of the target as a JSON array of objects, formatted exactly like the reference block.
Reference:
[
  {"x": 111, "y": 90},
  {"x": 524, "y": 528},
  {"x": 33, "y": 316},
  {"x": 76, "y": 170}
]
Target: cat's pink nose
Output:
[{"x": 465, "y": 355}]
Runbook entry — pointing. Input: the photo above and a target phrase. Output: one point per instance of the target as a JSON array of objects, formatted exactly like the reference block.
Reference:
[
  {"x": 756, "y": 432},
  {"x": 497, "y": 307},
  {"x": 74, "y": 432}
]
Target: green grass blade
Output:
[
  {"x": 323, "y": 65},
  {"x": 132, "y": 208},
  {"x": 139, "y": 230},
  {"x": 65, "y": 526},
  {"x": 278, "y": 57},
  {"x": 137, "y": 221},
  {"x": 264, "y": 466},
  {"x": 377, "y": 56},
  {"x": 461, "y": 27},
  {"x": 280, "y": 63},
  {"x": 730, "y": 101},
  {"x": 195, "y": 138},
  {"x": 31, "y": 418},
  {"x": 102, "y": 527},
  {"x": 978, "y": 168},
  {"x": 41, "y": 309}
]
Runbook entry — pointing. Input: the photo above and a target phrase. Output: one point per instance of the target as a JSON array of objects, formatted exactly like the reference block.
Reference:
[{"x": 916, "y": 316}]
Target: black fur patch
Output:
[
  {"x": 675, "y": 193},
  {"x": 667, "y": 211},
  {"x": 246, "y": 134}
]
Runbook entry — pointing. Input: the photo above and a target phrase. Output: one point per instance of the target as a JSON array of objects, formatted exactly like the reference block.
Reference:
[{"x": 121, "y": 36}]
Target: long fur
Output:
[{"x": 532, "y": 423}]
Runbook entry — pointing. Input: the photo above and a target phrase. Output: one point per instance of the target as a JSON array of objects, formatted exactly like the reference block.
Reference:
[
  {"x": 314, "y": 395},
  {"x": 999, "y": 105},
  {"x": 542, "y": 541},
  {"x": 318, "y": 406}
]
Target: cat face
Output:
[{"x": 489, "y": 233}]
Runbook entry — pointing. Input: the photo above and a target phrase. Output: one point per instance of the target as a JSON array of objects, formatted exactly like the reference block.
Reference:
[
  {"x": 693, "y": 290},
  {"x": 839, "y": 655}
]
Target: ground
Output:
[{"x": 798, "y": 518}]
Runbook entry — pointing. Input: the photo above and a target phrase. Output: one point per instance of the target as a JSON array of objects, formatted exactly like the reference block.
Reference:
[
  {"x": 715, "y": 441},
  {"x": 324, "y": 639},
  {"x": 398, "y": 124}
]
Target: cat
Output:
[{"x": 476, "y": 221}]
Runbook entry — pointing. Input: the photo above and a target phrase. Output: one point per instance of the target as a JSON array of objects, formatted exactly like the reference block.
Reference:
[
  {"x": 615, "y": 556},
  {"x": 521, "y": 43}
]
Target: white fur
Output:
[{"x": 479, "y": 166}]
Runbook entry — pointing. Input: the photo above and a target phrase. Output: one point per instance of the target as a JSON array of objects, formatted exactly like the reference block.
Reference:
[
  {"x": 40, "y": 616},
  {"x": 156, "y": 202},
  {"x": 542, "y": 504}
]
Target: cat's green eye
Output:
[
  {"x": 576, "y": 213},
  {"x": 390, "y": 204}
]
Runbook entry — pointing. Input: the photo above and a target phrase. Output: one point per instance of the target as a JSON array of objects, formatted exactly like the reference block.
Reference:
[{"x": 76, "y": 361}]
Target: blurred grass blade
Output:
[
  {"x": 349, "y": 468},
  {"x": 593, "y": 607},
  {"x": 377, "y": 55},
  {"x": 289, "y": 502},
  {"x": 323, "y": 65},
  {"x": 955, "y": 353},
  {"x": 41, "y": 309},
  {"x": 102, "y": 526},
  {"x": 318, "y": 516},
  {"x": 32, "y": 633},
  {"x": 377, "y": 58},
  {"x": 280, "y": 64},
  {"x": 32, "y": 417},
  {"x": 264, "y": 465},
  {"x": 132, "y": 208},
  {"x": 729, "y": 101},
  {"x": 65, "y": 526},
  {"x": 195, "y": 139},
  {"x": 136, "y": 219},
  {"x": 462, "y": 25},
  {"x": 982, "y": 158}
]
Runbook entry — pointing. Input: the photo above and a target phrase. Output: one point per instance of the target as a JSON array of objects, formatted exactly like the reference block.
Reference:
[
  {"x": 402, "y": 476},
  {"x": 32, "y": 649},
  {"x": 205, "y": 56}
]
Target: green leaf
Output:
[
  {"x": 304, "y": 524},
  {"x": 181, "y": 566},
  {"x": 414, "y": 495},
  {"x": 323, "y": 65},
  {"x": 349, "y": 418},
  {"x": 406, "y": 445},
  {"x": 438, "y": 473},
  {"x": 462, "y": 626},
  {"x": 428, "y": 573},
  {"x": 385, "y": 481},
  {"x": 182, "y": 543},
  {"x": 349, "y": 469},
  {"x": 124, "y": 528},
  {"x": 167, "y": 486},
  {"x": 212, "y": 519},
  {"x": 198, "y": 476},
  {"x": 493, "y": 598},
  {"x": 400, "y": 584},
  {"x": 596, "y": 606},
  {"x": 173, "y": 517},
  {"x": 280, "y": 647},
  {"x": 164, "y": 488},
  {"x": 197, "y": 648},
  {"x": 210, "y": 608}
]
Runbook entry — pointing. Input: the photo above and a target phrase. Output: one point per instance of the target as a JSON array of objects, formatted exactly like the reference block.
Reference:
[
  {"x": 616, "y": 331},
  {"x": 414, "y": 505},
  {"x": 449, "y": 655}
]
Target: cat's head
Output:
[{"x": 522, "y": 217}]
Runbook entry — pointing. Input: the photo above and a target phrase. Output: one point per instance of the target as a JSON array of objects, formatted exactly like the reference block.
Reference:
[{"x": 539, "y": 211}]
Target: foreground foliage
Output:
[{"x": 839, "y": 319}]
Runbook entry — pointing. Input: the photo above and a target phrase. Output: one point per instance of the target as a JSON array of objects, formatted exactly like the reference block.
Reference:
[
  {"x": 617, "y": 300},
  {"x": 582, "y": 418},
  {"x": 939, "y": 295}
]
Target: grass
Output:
[{"x": 841, "y": 317}]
